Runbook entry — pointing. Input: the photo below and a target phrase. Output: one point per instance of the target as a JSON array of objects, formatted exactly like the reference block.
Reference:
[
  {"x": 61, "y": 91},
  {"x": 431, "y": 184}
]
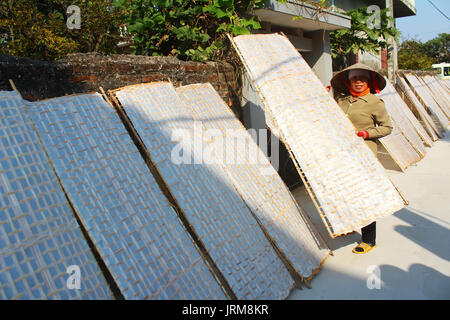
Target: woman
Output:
[{"x": 357, "y": 85}]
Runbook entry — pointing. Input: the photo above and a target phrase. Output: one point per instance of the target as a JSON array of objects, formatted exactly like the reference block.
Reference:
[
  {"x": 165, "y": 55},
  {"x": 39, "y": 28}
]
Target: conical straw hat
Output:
[{"x": 337, "y": 82}]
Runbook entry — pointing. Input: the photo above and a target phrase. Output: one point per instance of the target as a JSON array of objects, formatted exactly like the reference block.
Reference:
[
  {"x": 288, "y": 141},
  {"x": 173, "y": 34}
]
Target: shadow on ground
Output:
[
  {"x": 424, "y": 232},
  {"x": 419, "y": 282},
  {"x": 386, "y": 282}
]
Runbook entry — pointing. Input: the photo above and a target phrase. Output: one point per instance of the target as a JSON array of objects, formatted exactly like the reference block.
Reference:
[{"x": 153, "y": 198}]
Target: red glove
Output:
[{"x": 363, "y": 134}]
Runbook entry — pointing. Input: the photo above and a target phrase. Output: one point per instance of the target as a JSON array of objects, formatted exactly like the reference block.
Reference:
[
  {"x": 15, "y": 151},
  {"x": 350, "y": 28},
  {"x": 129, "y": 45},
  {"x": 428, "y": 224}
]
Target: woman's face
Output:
[{"x": 359, "y": 83}]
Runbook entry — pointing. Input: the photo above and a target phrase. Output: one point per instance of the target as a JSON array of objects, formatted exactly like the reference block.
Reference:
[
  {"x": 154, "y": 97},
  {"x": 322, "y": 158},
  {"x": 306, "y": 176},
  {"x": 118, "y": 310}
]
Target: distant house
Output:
[
  {"x": 401, "y": 8},
  {"x": 310, "y": 34}
]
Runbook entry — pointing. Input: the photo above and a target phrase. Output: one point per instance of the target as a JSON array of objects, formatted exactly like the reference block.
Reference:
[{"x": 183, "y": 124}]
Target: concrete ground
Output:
[{"x": 412, "y": 257}]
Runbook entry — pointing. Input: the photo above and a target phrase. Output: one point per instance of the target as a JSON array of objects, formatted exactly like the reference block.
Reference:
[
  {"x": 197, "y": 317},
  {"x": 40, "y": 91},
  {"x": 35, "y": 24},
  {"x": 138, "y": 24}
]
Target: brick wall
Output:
[
  {"x": 384, "y": 59},
  {"x": 80, "y": 73}
]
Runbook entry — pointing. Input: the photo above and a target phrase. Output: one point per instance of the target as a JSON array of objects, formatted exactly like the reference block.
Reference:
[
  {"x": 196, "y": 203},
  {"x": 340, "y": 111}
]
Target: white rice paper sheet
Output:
[
  {"x": 399, "y": 148},
  {"x": 445, "y": 83},
  {"x": 205, "y": 193},
  {"x": 430, "y": 126},
  {"x": 441, "y": 96},
  {"x": 257, "y": 181},
  {"x": 349, "y": 183},
  {"x": 43, "y": 252},
  {"x": 134, "y": 228},
  {"x": 425, "y": 94},
  {"x": 403, "y": 117}
]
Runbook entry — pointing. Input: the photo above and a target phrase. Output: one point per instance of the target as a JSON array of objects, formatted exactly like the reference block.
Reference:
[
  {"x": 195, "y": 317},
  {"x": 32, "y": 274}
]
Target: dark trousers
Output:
[{"x": 369, "y": 233}]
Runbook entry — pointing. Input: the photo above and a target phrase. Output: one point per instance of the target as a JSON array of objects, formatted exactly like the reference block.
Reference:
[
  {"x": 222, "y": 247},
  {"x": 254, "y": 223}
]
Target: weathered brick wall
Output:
[{"x": 80, "y": 73}]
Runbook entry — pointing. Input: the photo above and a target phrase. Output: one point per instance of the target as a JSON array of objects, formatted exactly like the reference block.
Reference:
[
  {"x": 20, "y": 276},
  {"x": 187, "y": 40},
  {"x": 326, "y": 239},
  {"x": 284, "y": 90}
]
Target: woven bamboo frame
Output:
[
  {"x": 445, "y": 83},
  {"x": 259, "y": 184},
  {"x": 418, "y": 127},
  {"x": 39, "y": 233},
  {"x": 442, "y": 84},
  {"x": 399, "y": 148},
  {"x": 431, "y": 128},
  {"x": 397, "y": 110},
  {"x": 423, "y": 139},
  {"x": 423, "y": 92},
  {"x": 205, "y": 194},
  {"x": 278, "y": 68},
  {"x": 138, "y": 235},
  {"x": 440, "y": 96},
  {"x": 165, "y": 189},
  {"x": 272, "y": 120}
]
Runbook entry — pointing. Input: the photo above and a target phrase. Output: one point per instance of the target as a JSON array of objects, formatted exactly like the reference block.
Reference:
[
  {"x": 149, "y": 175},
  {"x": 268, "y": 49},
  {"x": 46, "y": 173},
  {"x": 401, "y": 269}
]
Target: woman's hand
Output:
[{"x": 364, "y": 134}]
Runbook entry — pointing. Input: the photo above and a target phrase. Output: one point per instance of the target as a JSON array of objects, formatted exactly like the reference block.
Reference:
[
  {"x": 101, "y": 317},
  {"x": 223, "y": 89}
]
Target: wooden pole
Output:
[{"x": 13, "y": 86}]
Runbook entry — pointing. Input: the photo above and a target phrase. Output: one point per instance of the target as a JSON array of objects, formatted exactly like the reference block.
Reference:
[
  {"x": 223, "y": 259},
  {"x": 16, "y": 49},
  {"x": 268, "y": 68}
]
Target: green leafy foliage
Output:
[
  {"x": 38, "y": 29},
  {"x": 412, "y": 56},
  {"x": 25, "y": 31},
  {"x": 187, "y": 29},
  {"x": 438, "y": 48},
  {"x": 100, "y": 27},
  {"x": 415, "y": 55},
  {"x": 363, "y": 34}
]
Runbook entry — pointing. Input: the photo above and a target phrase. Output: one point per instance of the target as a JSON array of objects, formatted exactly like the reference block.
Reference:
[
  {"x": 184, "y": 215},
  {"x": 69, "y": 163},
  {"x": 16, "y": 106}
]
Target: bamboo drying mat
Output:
[
  {"x": 205, "y": 194},
  {"x": 446, "y": 84},
  {"x": 137, "y": 233},
  {"x": 397, "y": 109},
  {"x": 430, "y": 126},
  {"x": 441, "y": 96},
  {"x": 443, "y": 84},
  {"x": 423, "y": 92},
  {"x": 418, "y": 132},
  {"x": 401, "y": 151},
  {"x": 403, "y": 109},
  {"x": 436, "y": 99},
  {"x": 39, "y": 235},
  {"x": 349, "y": 185},
  {"x": 257, "y": 182}
]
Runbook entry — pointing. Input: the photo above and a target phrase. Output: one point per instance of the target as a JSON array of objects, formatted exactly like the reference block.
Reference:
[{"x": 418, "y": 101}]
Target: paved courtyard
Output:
[{"x": 412, "y": 257}]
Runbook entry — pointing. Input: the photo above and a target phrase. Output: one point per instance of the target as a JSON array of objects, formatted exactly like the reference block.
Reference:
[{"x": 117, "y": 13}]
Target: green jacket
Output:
[{"x": 367, "y": 113}]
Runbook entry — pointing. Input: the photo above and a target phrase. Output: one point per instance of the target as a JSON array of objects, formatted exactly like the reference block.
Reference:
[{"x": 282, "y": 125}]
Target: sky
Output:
[{"x": 427, "y": 23}]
